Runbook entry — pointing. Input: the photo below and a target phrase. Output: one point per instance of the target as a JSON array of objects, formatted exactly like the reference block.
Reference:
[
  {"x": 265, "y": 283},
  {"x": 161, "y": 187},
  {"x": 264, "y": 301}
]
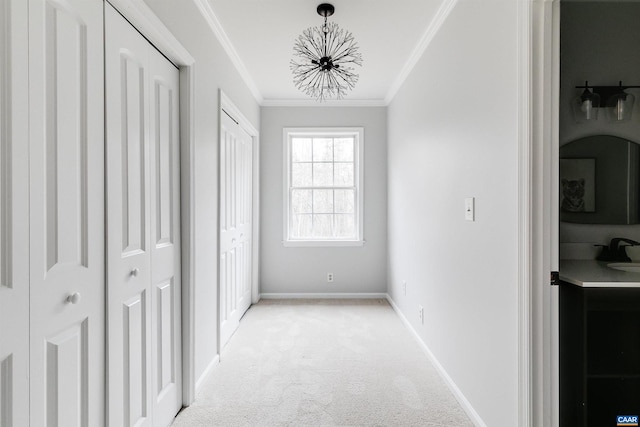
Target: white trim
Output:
[
  {"x": 524, "y": 213},
  {"x": 327, "y": 243},
  {"x": 227, "y": 105},
  {"x": 215, "y": 25},
  {"x": 326, "y": 103},
  {"x": 434, "y": 26},
  {"x": 208, "y": 370},
  {"x": 255, "y": 279},
  {"x": 188, "y": 228},
  {"x": 358, "y": 134},
  {"x": 544, "y": 210},
  {"x": 466, "y": 405},
  {"x": 335, "y": 295},
  {"x": 551, "y": 235},
  {"x": 149, "y": 25}
]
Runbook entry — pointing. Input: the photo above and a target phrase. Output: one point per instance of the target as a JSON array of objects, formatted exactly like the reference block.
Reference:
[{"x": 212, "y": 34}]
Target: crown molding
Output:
[
  {"x": 211, "y": 18},
  {"x": 326, "y": 103},
  {"x": 445, "y": 8}
]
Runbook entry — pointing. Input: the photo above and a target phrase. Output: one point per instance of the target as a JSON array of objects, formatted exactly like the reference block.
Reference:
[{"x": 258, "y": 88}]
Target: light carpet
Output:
[{"x": 323, "y": 363}]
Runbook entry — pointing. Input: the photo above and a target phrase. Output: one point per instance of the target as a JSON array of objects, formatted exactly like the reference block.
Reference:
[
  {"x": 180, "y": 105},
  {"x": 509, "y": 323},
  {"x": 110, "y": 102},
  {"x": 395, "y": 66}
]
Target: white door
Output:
[
  {"x": 66, "y": 122},
  {"x": 164, "y": 238},
  {"x": 14, "y": 214},
  {"x": 236, "y": 210},
  {"x": 143, "y": 260}
]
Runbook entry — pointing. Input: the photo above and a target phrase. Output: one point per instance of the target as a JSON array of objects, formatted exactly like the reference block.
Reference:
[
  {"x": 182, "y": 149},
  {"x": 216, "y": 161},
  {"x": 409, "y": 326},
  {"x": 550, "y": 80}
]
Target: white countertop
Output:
[{"x": 596, "y": 274}]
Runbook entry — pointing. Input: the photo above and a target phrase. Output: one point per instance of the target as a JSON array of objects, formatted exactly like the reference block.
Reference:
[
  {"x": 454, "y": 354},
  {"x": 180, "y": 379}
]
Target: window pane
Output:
[
  {"x": 301, "y": 226},
  {"x": 323, "y": 174},
  {"x": 322, "y": 226},
  {"x": 345, "y": 226},
  {"x": 343, "y": 174},
  {"x": 322, "y": 150},
  {"x": 343, "y": 149},
  {"x": 301, "y": 149},
  {"x": 322, "y": 201},
  {"x": 301, "y": 201},
  {"x": 301, "y": 175},
  {"x": 344, "y": 201}
]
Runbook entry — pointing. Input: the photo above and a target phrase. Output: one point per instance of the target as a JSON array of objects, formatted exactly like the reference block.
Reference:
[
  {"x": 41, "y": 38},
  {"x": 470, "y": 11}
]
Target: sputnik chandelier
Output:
[{"x": 324, "y": 58}]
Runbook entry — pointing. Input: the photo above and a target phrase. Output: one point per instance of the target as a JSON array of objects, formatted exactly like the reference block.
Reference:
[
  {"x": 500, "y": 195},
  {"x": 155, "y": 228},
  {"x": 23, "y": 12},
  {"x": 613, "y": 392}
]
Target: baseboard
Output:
[
  {"x": 215, "y": 362},
  {"x": 473, "y": 415},
  {"x": 336, "y": 295}
]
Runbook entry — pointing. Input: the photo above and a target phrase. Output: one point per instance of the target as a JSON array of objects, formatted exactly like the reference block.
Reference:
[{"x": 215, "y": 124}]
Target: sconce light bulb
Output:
[
  {"x": 620, "y": 109},
  {"x": 587, "y": 108}
]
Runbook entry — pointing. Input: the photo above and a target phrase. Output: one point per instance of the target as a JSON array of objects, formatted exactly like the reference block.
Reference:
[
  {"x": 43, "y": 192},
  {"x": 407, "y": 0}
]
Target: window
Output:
[{"x": 323, "y": 186}]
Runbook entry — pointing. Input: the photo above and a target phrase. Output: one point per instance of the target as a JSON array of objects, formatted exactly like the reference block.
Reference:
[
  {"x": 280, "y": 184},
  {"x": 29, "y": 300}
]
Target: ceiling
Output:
[{"x": 259, "y": 35}]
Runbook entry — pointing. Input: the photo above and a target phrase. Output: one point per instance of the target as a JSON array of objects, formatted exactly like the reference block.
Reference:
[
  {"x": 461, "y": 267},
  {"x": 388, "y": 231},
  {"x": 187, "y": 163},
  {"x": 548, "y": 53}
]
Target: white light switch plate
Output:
[{"x": 469, "y": 209}]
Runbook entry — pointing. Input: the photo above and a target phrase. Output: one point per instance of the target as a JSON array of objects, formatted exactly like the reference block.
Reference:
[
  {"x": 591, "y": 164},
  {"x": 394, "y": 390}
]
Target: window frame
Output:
[{"x": 318, "y": 132}]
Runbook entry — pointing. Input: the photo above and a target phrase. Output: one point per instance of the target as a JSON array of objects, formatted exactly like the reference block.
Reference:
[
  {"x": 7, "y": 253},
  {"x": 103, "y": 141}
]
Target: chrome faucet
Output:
[{"x": 616, "y": 252}]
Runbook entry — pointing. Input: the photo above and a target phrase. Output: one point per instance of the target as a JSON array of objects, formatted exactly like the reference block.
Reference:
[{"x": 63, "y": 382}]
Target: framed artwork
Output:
[{"x": 577, "y": 185}]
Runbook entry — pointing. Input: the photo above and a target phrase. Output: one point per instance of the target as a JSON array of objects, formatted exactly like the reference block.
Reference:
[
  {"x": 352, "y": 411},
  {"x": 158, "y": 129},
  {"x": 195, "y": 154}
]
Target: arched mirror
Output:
[{"x": 599, "y": 181}]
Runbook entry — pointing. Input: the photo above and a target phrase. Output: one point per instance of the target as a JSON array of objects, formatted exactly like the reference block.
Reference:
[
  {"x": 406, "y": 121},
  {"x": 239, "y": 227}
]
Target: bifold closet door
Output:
[
  {"x": 143, "y": 217},
  {"x": 66, "y": 122},
  {"x": 14, "y": 214},
  {"x": 236, "y": 210}
]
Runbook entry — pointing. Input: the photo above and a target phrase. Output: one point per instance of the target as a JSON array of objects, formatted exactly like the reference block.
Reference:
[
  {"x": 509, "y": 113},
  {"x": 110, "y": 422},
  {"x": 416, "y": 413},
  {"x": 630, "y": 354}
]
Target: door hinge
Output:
[{"x": 555, "y": 278}]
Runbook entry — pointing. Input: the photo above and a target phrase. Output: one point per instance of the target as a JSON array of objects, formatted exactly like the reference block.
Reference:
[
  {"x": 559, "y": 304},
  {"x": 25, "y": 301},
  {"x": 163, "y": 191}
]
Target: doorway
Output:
[{"x": 237, "y": 216}]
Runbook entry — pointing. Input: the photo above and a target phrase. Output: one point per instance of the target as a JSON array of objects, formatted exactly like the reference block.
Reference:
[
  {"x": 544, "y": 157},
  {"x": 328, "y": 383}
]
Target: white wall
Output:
[
  {"x": 213, "y": 70},
  {"x": 304, "y": 269},
  {"x": 453, "y": 133},
  {"x": 599, "y": 43}
]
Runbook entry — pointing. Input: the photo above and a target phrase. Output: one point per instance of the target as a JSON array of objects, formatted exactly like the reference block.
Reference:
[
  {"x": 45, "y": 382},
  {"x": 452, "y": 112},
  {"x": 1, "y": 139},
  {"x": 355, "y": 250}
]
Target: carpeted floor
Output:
[{"x": 323, "y": 363}]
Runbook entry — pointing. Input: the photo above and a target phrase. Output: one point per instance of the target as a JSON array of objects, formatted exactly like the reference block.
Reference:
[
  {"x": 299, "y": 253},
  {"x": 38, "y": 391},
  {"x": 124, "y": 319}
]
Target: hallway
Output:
[{"x": 323, "y": 362}]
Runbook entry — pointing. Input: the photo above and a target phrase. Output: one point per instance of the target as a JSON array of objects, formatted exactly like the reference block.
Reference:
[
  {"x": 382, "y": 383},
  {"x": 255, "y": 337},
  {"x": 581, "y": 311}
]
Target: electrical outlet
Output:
[
  {"x": 421, "y": 314},
  {"x": 329, "y": 277},
  {"x": 404, "y": 288}
]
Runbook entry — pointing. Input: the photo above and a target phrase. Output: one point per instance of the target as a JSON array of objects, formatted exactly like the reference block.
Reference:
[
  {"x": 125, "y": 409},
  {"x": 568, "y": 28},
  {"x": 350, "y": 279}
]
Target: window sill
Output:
[{"x": 322, "y": 243}]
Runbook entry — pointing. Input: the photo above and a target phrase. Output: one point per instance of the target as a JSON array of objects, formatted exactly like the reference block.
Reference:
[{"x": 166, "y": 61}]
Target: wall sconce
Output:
[
  {"x": 585, "y": 107},
  {"x": 619, "y": 104}
]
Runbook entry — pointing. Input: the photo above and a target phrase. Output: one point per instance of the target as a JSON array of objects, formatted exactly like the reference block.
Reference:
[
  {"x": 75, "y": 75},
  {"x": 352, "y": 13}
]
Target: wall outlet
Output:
[
  {"x": 404, "y": 288},
  {"x": 329, "y": 277},
  {"x": 421, "y": 314}
]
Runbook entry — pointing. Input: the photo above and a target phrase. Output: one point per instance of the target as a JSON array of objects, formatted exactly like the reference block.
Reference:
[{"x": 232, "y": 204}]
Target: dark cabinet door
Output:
[{"x": 599, "y": 355}]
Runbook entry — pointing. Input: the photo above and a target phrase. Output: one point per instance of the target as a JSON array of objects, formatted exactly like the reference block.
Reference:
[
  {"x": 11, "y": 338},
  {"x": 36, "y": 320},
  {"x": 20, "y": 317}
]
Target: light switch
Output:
[{"x": 469, "y": 209}]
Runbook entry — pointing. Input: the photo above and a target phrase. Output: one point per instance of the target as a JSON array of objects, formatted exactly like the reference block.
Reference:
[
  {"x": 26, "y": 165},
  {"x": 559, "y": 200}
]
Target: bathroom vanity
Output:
[{"x": 599, "y": 343}]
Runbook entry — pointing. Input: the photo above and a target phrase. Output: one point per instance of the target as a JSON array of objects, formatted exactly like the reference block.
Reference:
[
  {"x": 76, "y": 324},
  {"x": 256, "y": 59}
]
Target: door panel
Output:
[
  {"x": 128, "y": 261},
  {"x": 236, "y": 196},
  {"x": 14, "y": 208},
  {"x": 66, "y": 376},
  {"x": 67, "y": 221},
  {"x": 143, "y": 230},
  {"x": 164, "y": 187},
  {"x": 135, "y": 361}
]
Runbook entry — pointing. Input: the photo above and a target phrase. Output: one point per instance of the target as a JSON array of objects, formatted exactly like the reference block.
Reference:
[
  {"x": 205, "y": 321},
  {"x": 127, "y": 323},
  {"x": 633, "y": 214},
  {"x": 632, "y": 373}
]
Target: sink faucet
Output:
[{"x": 615, "y": 251}]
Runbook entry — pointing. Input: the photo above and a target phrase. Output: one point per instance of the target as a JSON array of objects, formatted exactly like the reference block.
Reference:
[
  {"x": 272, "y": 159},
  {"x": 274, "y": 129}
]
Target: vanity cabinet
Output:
[{"x": 599, "y": 355}]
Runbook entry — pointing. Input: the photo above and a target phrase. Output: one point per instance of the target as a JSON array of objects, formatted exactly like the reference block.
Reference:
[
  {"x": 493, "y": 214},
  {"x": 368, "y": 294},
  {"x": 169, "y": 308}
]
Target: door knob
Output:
[
  {"x": 74, "y": 298},
  {"x": 135, "y": 272}
]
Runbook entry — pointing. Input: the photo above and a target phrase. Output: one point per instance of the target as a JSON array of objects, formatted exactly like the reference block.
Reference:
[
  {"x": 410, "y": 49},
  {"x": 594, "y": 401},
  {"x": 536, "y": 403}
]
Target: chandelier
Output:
[{"x": 324, "y": 58}]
